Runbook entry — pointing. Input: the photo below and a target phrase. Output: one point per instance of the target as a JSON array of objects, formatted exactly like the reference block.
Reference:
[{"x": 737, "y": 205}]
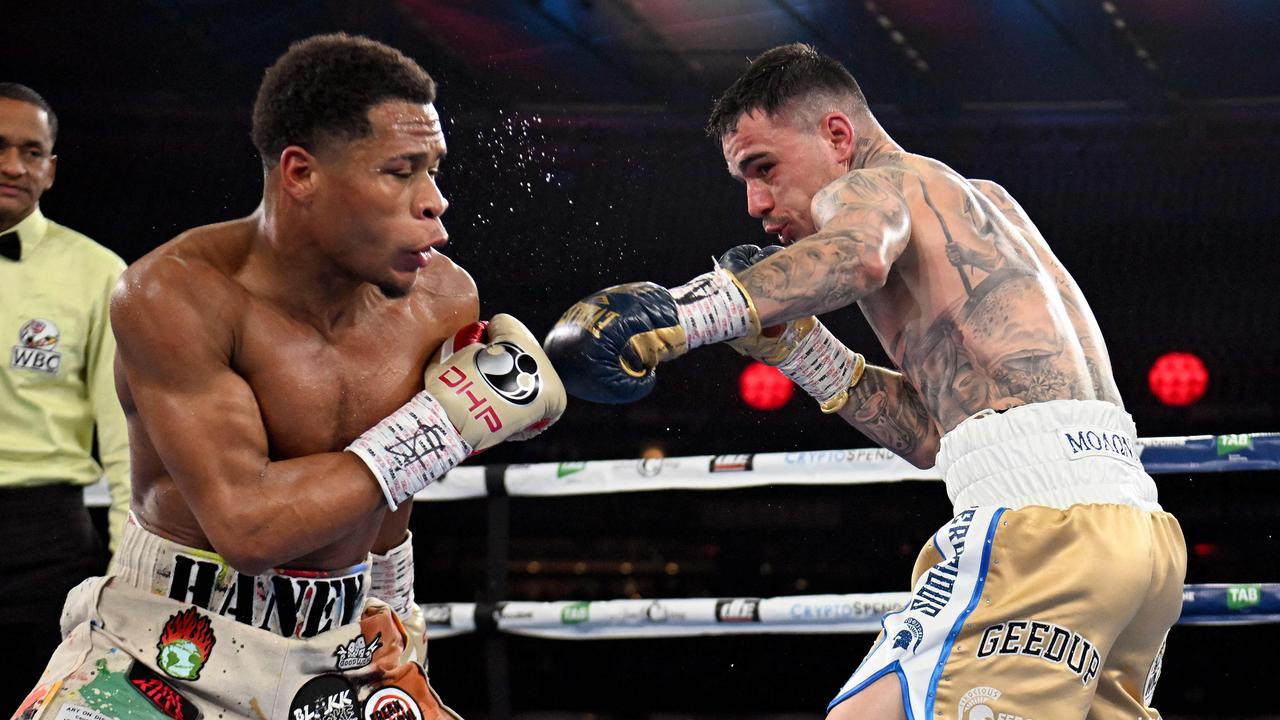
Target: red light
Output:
[
  {"x": 1178, "y": 379},
  {"x": 1204, "y": 549},
  {"x": 764, "y": 387}
]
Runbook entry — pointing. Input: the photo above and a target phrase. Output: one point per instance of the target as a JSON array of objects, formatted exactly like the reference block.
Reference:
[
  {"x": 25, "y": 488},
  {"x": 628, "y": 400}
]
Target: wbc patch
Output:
[{"x": 35, "y": 351}]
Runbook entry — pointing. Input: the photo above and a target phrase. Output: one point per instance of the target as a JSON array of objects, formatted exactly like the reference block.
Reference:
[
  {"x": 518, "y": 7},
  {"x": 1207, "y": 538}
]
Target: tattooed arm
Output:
[
  {"x": 887, "y": 409},
  {"x": 1078, "y": 310},
  {"x": 863, "y": 225}
]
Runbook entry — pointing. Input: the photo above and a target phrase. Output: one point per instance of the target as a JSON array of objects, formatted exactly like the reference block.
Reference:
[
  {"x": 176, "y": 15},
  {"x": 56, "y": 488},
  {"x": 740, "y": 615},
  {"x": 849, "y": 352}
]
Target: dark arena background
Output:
[{"x": 1142, "y": 136}]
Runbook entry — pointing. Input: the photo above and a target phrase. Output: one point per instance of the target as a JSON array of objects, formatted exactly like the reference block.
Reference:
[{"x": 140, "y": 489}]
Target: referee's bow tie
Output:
[{"x": 11, "y": 246}]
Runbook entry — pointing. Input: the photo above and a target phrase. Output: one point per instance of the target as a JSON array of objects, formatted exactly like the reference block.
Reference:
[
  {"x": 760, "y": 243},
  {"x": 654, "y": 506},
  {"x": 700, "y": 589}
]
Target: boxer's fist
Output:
[
  {"x": 495, "y": 383},
  {"x": 490, "y": 382},
  {"x": 608, "y": 343},
  {"x": 740, "y": 257}
]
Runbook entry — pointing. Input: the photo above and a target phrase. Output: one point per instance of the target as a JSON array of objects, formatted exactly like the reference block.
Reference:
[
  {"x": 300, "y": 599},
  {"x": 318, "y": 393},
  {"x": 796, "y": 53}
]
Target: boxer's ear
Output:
[
  {"x": 297, "y": 173},
  {"x": 837, "y": 130}
]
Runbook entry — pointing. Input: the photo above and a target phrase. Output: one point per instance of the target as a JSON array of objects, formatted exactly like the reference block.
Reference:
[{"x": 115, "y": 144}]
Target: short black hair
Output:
[
  {"x": 18, "y": 91},
  {"x": 778, "y": 77},
  {"x": 321, "y": 90}
]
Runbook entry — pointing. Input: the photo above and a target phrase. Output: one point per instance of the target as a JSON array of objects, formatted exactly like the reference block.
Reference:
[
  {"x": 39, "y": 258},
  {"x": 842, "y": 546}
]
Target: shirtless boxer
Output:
[
  {"x": 272, "y": 372},
  {"x": 1050, "y": 593}
]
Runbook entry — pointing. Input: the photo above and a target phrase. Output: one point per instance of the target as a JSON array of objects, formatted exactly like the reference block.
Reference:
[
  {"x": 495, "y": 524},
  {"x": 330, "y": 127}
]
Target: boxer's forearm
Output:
[
  {"x": 826, "y": 271},
  {"x": 294, "y": 508},
  {"x": 863, "y": 226},
  {"x": 887, "y": 409}
]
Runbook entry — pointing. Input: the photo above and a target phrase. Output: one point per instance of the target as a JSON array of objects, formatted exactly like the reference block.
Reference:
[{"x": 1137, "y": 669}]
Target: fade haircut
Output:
[
  {"x": 321, "y": 90},
  {"x": 22, "y": 93},
  {"x": 793, "y": 82}
]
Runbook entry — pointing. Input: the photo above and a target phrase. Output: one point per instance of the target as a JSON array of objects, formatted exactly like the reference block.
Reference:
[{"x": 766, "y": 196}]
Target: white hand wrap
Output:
[
  {"x": 411, "y": 448},
  {"x": 712, "y": 308},
  {"x": 823, "y": 367},
  {"x": 391, "y": 576}
]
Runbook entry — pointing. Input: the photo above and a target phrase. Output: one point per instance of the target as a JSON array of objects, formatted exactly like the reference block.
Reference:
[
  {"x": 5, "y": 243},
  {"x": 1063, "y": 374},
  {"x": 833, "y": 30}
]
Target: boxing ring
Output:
[{"x": 1241, "y": 603}]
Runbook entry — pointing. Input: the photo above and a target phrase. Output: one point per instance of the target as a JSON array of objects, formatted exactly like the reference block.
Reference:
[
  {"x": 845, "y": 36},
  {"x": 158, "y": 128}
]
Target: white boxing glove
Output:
[{"x": 490, "y": 382}]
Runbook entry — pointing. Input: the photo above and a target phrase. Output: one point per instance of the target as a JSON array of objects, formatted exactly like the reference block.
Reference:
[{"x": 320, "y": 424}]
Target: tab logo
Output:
[
  {"x": 575, "y": 613},
  {"x": 566, "y": 469},
  {"x": 1242, "y": 597},
  {"x": 1228, "y": 444},
  {"x": 37, "y": 339}
]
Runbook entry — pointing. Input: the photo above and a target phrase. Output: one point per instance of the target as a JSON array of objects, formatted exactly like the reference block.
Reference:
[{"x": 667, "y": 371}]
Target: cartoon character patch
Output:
[{"x": 358, "y": 653}]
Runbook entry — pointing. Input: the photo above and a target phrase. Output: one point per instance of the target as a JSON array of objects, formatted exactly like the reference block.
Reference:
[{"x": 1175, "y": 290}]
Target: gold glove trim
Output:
[
  {"x": 655, "y": 346},
  {"x": 774, "y": 350},
  {"x": 840, "y": 399}
]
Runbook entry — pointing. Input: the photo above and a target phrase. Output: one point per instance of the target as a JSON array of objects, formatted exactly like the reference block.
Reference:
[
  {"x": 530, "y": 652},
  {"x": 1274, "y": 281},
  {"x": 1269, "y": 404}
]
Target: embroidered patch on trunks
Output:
[
  {"x": 327, "y": 697},
  {"x": 357, "y": 653},
  {"x": 164, "y": 696},
  {"x": 185, "y": 644},
  {"x": 391, "y": 703}
]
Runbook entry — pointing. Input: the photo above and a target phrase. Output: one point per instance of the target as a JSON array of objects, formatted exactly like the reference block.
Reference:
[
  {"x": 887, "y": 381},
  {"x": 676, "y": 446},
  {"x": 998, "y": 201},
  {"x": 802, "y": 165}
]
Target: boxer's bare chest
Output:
[{"x": 318, "y": 390}]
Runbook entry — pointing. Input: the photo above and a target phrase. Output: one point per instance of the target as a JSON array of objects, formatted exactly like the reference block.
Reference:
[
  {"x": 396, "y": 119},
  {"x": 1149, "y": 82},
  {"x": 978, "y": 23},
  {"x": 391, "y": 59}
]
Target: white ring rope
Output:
[
  {"x": 1215, "y": 604},
  {"x": 1200, "y": 453}
]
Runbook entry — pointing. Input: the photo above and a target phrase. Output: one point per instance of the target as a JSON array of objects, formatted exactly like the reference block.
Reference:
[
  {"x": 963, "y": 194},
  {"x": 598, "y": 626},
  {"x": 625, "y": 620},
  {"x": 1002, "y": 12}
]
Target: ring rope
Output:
[
  {"x": 1209, "y": 604},
  {"x": 1160, "y": 455}
]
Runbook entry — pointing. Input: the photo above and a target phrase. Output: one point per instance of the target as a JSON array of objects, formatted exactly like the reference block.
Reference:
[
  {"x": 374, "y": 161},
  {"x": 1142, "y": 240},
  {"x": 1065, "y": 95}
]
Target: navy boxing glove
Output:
[
  {"x": 740, "y": 257},
  {"x": 607, "y": 345}
]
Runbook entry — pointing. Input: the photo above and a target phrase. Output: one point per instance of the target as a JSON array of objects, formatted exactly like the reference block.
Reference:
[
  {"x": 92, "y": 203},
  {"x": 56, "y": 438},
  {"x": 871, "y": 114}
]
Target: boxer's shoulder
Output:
[
  {"x": 190, "y": 279},
  {"x": 197, "y": 261},
  {"x": 445, "y": 290}
]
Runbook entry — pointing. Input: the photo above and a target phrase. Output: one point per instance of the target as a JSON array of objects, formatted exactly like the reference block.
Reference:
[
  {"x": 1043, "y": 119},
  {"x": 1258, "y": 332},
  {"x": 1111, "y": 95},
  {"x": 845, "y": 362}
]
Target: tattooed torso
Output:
[
  {"x": 968, "y": 311},
  {"x": 960, "y": 288}
]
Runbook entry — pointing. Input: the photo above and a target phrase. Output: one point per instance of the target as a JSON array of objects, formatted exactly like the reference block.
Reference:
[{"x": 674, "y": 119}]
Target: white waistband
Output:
[
  {"x": 1058, "y": 454},
  {"x": 291, "y": 603}
]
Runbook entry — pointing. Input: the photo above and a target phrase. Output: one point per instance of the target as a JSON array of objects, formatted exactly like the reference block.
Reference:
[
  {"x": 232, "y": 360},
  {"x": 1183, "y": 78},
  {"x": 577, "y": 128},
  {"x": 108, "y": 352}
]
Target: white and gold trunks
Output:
[{"x": 1051, "y": 591}]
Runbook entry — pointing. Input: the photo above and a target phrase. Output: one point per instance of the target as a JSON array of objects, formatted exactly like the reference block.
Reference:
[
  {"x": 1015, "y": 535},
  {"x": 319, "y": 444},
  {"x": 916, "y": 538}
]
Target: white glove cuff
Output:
[
  {"x": 411, "y": 448},
  {"x": 391, "y": 576},
  {"x": 823, "y": 367},
  {"x": 711, "y": 308}
]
